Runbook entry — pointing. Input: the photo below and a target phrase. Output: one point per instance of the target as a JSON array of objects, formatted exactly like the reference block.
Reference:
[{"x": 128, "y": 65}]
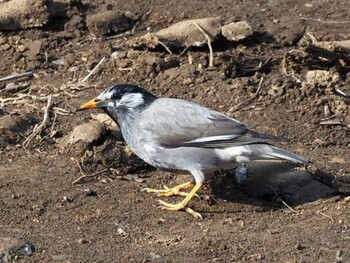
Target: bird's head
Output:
[{"x": 121, "y": 97}]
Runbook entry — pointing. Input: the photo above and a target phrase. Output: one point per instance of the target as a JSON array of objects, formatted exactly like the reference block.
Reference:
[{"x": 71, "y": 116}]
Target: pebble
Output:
[
  {"x": 21, "y": 48},
  {"x": 89, "y": 192},
  {"x": 82, "y": 241}
]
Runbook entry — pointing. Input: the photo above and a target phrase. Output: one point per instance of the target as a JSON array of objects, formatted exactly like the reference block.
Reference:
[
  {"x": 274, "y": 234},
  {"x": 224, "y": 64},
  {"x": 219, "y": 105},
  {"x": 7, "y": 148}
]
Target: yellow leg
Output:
[
  {"x": 183, "y": 204},
  {"x": 176, "y": 190}
]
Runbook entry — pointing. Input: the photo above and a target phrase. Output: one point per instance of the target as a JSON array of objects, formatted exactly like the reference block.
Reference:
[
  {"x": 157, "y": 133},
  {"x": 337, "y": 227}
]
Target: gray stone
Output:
[
  {"x": 342, "y": 184},
  {"x": 236, "y": 31},
  {"x": 84, "y": 135}
]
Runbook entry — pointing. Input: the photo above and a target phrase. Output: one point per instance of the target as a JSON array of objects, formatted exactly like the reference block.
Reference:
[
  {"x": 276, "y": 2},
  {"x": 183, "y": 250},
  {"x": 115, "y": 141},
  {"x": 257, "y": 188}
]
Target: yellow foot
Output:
[
  {"x": 179, "y": 206},
  {"x": 176, "y": 190}
]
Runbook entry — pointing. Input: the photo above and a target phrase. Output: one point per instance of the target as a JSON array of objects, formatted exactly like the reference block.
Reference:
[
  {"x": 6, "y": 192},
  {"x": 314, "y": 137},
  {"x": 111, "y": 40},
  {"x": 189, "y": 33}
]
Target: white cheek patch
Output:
[
  {"x": 131, "y": 100},
  {"x": 111, "y": 104}
]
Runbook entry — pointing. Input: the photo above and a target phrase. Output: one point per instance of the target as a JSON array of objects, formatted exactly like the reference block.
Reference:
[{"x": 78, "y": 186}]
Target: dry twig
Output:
[
  {"x": 240, "y": 105},
  {"x": 84, "y": 176},
  {"x": 92, "y": 71},
  {"x": 165, "y": 46},
  {"x": 211, "y": 55},
  {"x": 17, "y": 76},
  {"x": 283, "y": 202},
  {"x": 327, "y": 216},
  {"x": 325, "y": 21},
  {"x": 61, "y": 111},
  {"x": 289, "y": 72},
  {"x": 25, "y": 98},
  {"x": 38, "y": 129}
]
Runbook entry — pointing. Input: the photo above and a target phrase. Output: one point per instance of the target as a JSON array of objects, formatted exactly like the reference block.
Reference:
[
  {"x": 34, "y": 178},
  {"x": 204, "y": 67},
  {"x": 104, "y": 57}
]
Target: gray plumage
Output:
[{"x": 182, "y": 135}]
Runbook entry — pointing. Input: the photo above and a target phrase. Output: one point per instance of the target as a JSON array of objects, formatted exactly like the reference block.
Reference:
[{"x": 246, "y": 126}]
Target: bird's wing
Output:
[{"x": 179, "y": 123}]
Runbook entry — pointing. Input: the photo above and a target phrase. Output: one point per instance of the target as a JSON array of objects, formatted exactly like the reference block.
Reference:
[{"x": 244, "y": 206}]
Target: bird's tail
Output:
[{"x": 286, "y": 155}]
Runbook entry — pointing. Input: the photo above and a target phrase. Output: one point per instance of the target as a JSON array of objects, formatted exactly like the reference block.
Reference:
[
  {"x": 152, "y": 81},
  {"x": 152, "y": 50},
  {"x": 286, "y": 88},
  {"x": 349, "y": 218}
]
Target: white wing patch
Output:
[
  {"x": 131, "y": 100},
  {"x": 214, "y": 138}
]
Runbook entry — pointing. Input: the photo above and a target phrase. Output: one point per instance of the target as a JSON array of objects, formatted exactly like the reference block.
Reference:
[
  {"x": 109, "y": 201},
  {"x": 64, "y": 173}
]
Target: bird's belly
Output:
[{"x": 182, "y": 158}]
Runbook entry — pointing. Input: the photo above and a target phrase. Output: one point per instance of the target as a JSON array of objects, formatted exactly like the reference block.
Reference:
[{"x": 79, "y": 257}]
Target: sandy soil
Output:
[{"x": 106, "y": 218}]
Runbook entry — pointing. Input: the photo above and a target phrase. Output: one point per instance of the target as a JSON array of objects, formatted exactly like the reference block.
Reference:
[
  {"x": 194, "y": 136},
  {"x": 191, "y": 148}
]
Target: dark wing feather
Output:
[{"x": 179, "y": 123}]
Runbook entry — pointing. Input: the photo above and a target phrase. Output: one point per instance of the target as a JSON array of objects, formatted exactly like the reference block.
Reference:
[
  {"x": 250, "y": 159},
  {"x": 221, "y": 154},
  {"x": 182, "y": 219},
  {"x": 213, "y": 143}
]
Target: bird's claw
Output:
[
  {"x": 179, "y": 206},
  {"x": 166, "y": 192}
]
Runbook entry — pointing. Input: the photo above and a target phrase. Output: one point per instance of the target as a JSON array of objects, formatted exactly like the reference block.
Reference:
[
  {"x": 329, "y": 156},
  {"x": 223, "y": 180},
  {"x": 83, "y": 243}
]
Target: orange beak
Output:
[{"x": 93, "y": 104}]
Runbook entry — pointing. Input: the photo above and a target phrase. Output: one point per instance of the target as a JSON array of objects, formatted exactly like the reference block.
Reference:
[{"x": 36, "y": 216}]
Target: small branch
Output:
[
  {"x": 17, "y": 76},
  {"x": 165, "y": 46},
  {"x": 285, "y": 70},
  {"x": 259, "y": 88},
  {"x": 211, "y": 56},
  {"x": 291, "y": 209},
  {"x": 252, "y": 98},
  {"x": 327, "y": 216},
  {"x": 61, "y": 111},
  {"x": 15, "y": 88},
  {"x": 325, "y": 21},
  {"x": 38, "y": 129},
  {"x": 84, "y": 176},
  {"x": 92, "y": 71}
]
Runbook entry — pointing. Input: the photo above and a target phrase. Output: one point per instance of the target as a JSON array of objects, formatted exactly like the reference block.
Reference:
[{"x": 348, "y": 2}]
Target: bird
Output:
[{"x": 181, "y": 135}]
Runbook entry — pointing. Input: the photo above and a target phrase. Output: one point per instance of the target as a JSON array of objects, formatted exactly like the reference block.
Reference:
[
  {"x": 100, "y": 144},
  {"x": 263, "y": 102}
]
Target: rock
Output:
[
  {"x": 182, "y": 34},
  {"x": 83, "y": 241},
  {"x": 22, "y": 14},
  {"x": 342, "y": 184},
  {"x": 8, "y": 122},
  {"x": 275, "y": 90},
  {"x": 186, "y": 33},
  {"x": 89, "y": 192},
  {"x": 106, "y": 120},
  {"x": 236, "y": 31},
  {"x": 287, "y": 31},
  {"x": 12, "y": 126},
  {"x": 321, "y": 78},
  {"x": 21, "y": 48},
  {"x": 334, "y": 45},
  {"x": 148, "y": 40},
  {"x": 109, "y": 124},
  {"x": 110, "y": 21},
  {"x": 84, "y": 136},
  {"x": 33, "y": 49},
  {"x": 108, "y": 154},
  {"x": 74, "y": 23},
  {"x": 264, "y": 179}
]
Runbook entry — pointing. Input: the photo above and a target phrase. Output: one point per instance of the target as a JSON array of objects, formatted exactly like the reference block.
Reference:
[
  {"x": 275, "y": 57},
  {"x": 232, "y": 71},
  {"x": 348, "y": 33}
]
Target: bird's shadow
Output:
[{"x": 270, "y": 185}]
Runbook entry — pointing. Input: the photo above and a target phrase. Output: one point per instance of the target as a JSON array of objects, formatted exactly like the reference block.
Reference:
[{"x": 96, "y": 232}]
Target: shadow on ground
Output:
[{"x": 271, "y": 186}]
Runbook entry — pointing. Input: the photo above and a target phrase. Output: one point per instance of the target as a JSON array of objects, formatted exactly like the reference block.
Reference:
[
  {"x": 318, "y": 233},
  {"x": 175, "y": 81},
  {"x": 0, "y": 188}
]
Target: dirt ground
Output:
[{"x": 105, "y": 217}]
